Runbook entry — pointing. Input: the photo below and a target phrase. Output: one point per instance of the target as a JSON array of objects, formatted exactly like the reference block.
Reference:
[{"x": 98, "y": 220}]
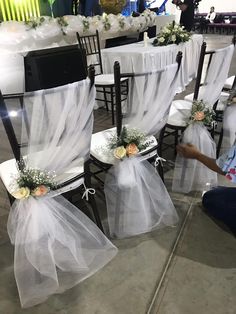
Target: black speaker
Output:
[{"x": 54, "y": 67}]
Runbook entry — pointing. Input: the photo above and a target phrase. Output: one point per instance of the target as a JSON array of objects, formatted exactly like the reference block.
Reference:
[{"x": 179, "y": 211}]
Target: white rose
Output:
[
  {"x": 167, "y": 31},
  {"x": 161, "y": 39},
  {"x": 21, "y": 193},
  {"x": 173, "y": 38}
]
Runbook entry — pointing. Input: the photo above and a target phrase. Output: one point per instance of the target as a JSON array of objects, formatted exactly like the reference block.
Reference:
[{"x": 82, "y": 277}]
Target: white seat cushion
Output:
[
  {"x": 229, "y": 82},
  {"x": 180, "y": 111},
  {"x": 99, "y": 147},
  {"x": 8, "y": 170},
  {"x": 221, "y": 103},
  {"x": 106, "y": 79}
]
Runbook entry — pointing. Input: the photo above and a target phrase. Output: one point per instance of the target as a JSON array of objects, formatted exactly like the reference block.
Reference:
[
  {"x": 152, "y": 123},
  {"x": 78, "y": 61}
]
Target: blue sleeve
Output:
[{"x": 227, "y": 163}]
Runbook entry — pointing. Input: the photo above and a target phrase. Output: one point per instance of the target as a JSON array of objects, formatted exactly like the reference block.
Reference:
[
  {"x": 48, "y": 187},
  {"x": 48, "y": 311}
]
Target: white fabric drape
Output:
[
  {"x": 229, "y": 127},
  {"x": 137, "y": 200},
  {"x": 216, "y": 75},
  {"x": 137, "y": 58},
  {"x": 190, "y": 175},
  {"x": 56, "y": 245}
]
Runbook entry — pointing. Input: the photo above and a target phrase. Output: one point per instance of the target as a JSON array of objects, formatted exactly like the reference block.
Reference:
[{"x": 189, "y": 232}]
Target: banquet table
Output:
[{"x": 138, "y": 57}]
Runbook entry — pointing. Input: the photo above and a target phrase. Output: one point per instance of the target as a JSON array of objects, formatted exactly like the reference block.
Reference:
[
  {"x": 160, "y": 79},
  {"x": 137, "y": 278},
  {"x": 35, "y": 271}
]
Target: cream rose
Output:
[
  {"x": 119, "y": 152},
  {"x": 131, "y": 149},
  {"x": 22, "y": 193},
  {"x": 161, "y": 39},
  {"x": 199, "y": 115},
  {"x": 40, "y": 191},
  {"x": 173, "y": 38}
]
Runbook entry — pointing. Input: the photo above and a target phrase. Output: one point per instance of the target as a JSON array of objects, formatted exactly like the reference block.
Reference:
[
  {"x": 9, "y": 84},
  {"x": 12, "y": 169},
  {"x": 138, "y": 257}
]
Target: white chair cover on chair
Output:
[
  {"x": 229, "y": 127},
  {"x": 56, "y": 245},
  {"x": 191, "y": 175},
  {"x": 137, "y": 200}
]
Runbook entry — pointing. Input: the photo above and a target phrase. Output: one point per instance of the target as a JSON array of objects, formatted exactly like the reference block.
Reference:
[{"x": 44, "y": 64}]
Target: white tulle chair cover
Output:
[
  {"x": 137, "y": 200},
  {"x": 56, "y": 245},
  {"x": 191, "y": 175},
  {"x": 229, "y": 127},
  {"x": 216, "y": 75}
]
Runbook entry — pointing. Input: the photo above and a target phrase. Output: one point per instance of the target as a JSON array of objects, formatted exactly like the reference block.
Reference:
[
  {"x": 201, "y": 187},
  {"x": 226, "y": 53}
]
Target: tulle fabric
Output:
[
  {"x": 137, "y": 200},
  {"x": 216, "y": 75},
  {"x": 56, "y": 245},
  {"x": 229, "y": 128},
  {"x": 190, "y": 174}
]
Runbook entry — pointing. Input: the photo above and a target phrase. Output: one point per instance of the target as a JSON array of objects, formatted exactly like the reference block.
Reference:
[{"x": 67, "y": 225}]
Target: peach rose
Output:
[
  {"x": 199, "y": 116},
  {"x": 41, "y": 190},
  {"x": 119, "y": 152},
  {"x": 131, "y": 149},
  {"x": 22, "y": 193}
]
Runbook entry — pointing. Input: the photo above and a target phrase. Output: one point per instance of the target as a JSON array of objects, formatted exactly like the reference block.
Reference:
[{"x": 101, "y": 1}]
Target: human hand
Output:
[{"x": 188, "y": 151}]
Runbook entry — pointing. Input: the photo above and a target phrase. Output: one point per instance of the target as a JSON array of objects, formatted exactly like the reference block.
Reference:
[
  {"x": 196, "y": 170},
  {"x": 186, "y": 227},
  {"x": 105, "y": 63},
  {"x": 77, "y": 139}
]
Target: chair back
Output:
[
  {"x": 54, "y": 67},
  {"x": 40, "y": 122},
  {"x": 149, "y": 99},
  {"x": 209, "y": 86},
  {"x": 91, "y": 45}
]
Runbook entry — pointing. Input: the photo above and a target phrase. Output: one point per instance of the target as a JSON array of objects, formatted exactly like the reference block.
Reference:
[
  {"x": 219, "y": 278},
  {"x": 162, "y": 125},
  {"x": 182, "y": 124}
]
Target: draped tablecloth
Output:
[{"x": 138, "y": 58}]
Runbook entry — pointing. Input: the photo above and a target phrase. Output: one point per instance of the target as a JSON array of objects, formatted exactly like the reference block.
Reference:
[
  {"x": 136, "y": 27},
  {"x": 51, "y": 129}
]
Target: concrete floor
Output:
[{"x": 183, "y": 270}]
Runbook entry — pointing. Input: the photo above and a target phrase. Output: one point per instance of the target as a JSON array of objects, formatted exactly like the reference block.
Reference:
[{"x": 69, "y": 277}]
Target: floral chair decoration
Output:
[
  {"x": 56, "y": 245},
  {"x": 191, "y": 175},
  {"x": 137, "y": 200}
]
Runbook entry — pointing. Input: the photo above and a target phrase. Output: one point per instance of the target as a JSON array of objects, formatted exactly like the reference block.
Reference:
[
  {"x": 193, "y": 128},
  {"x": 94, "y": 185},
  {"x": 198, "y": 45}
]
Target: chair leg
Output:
[
  {"x": 105, "y": 98},
  {"x": 112, "y": 107},
  {"x": 219, "y": 142},
  {"x": 160, "y": 141},
  {"x": 92, "y": 198}
]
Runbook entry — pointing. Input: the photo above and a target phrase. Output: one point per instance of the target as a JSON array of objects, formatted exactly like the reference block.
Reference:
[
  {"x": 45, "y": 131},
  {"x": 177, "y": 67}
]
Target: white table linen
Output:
[{"x": 137, "y": 58}]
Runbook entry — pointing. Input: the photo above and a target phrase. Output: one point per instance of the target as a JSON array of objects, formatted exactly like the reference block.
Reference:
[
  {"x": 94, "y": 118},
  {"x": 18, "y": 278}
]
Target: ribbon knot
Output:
[
  {"x": 159, "y": 160},
  {"x": 87, "y": 192}
]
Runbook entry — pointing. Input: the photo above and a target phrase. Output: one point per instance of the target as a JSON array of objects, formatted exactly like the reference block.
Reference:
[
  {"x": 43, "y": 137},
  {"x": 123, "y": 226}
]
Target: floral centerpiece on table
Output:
[
  {"x": 33, "y": 182},
  {"x": 171, "y": 34},
  {"x": 128, "y": 144},
  {"x": 201, "y": 112}
]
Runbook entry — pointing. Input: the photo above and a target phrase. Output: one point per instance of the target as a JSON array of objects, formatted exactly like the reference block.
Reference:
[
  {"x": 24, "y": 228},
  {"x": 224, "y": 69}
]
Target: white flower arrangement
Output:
[
  {"x": 171, "y": 34},
  {"x": 128, "y": 144},
  {"x": 107, "y": 22},
  {"x": 33, "y": 182}
]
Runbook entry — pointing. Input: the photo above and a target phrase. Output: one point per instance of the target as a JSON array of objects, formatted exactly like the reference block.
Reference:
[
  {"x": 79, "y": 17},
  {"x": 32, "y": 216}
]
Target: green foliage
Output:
[
  {"x": 171, "y": 34},
  {"x": 201, "y": 112},
  {"x": 127, "y": 137}
]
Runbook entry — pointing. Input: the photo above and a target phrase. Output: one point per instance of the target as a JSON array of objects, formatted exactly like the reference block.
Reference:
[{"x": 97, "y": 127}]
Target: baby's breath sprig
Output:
[{"x": 32, "y": 182}]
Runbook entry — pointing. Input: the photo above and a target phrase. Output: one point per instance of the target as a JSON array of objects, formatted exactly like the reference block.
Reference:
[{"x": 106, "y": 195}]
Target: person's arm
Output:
[{"x": 190, "y": 151}]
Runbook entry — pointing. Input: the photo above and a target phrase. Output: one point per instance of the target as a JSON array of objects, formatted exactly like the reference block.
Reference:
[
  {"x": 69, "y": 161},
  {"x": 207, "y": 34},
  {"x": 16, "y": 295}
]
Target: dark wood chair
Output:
[
  {"x": 104, "y": 82},
  {"x": 105, "y": 161},
  {"x": 16, "y": 121},
  {"x": 180, "y": 109}
]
